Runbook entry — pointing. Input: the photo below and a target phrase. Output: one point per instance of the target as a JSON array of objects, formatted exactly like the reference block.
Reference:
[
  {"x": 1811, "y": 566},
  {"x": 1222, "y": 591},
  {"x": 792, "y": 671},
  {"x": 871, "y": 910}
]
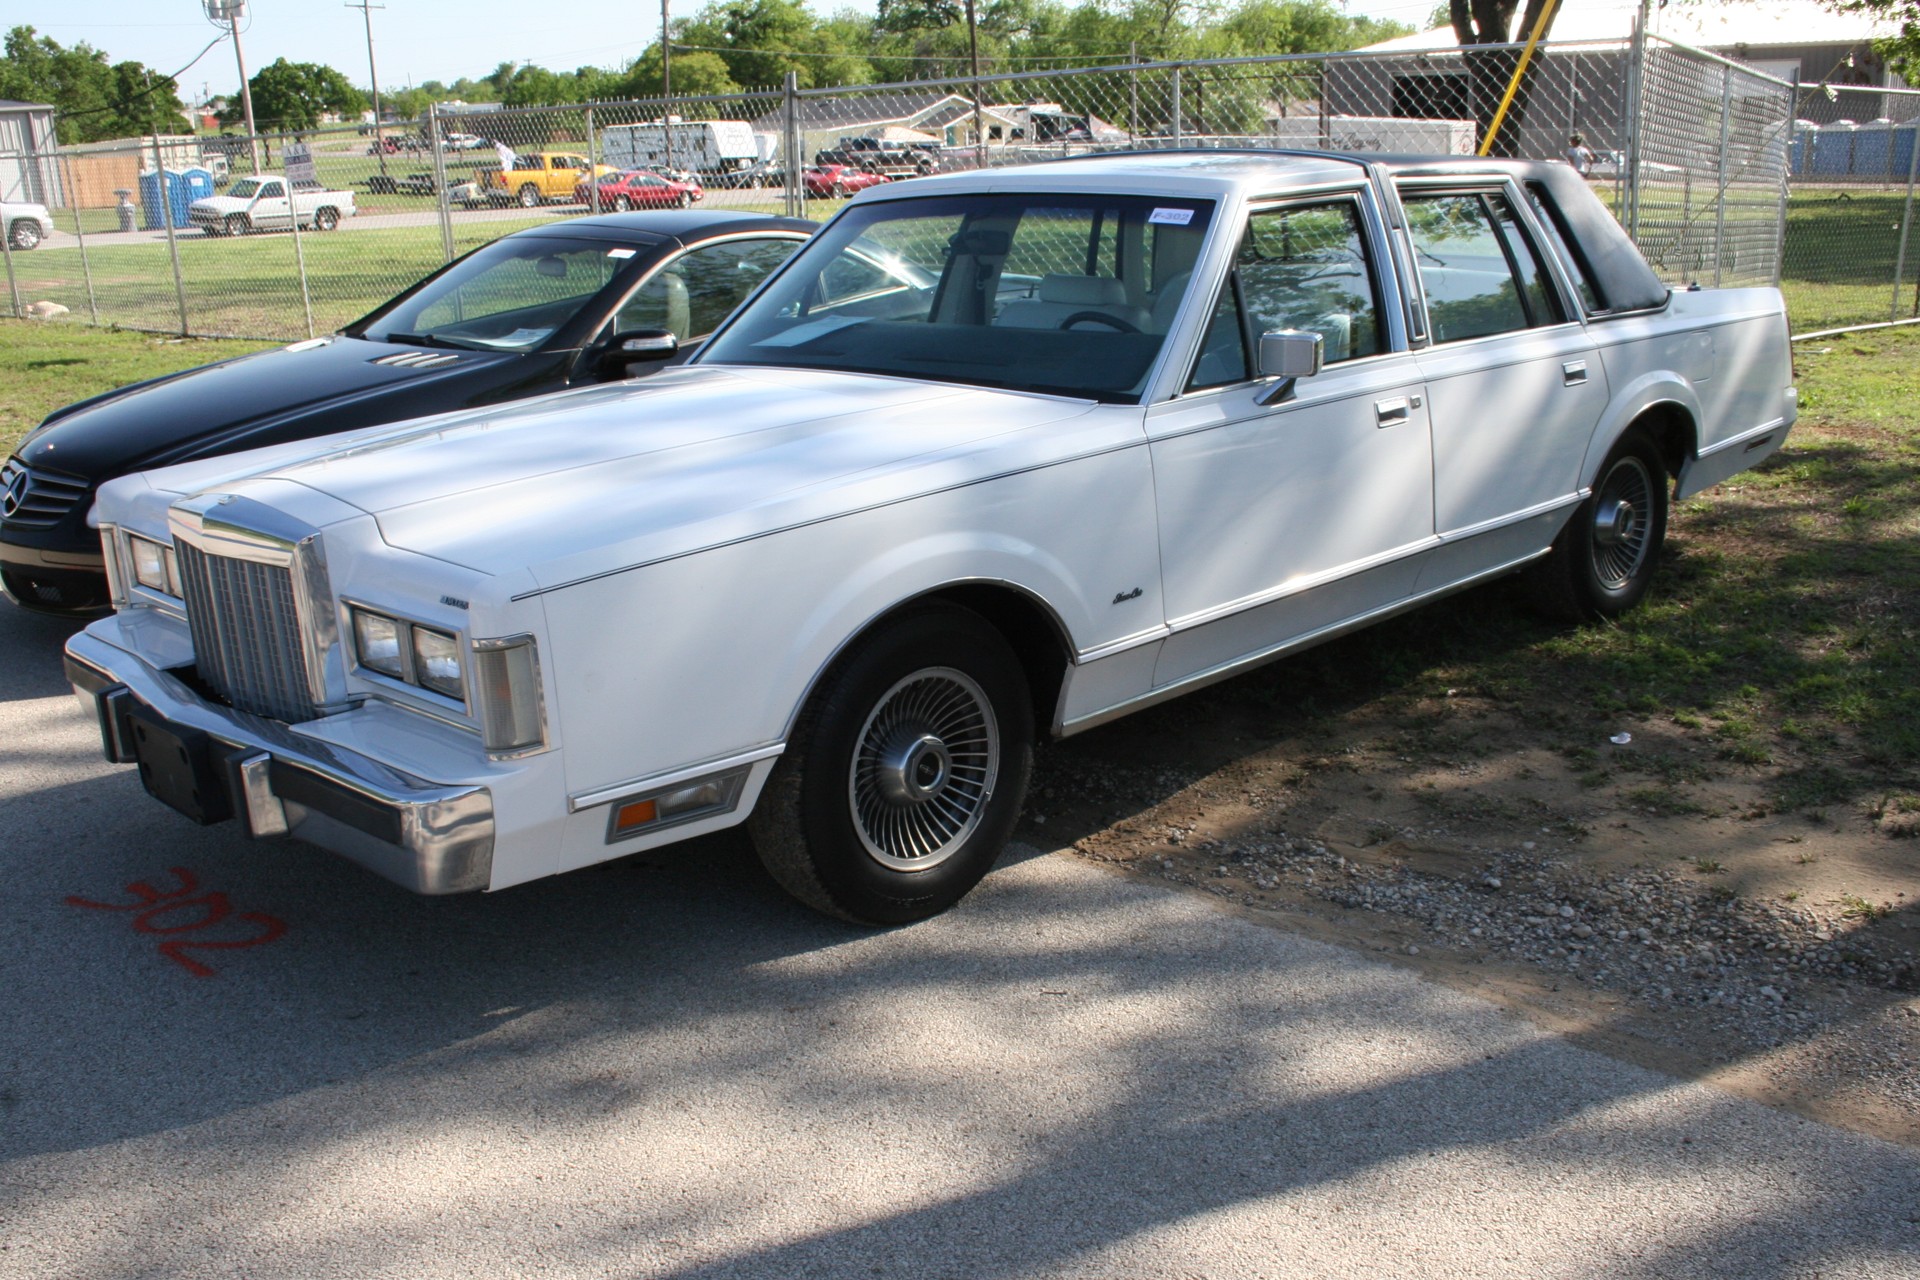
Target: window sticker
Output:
[
  {"x": 1171, "y": 217},
  {"x": 621, "y": 253}
]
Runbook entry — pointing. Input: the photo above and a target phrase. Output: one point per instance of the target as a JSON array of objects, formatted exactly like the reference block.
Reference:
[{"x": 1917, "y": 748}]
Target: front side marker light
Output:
[
  {"x": 506, "y": 676},
  {"x": 436, "y": 663},
  {"x": 700, "y": 798},
  {"x": 376, "y": 641}
]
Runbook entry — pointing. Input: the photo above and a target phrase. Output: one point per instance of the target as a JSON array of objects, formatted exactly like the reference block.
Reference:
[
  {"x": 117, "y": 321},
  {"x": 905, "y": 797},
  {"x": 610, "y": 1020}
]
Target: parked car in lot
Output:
[
  {"x": 532, "y": 312},
  {"x": 995, "y": 455},
  {"x": 466, "y": 142},
  {"x": 640, "y": 189},
  {"x": 837, "y": 181},
  {"x": 27, "y": 222}
]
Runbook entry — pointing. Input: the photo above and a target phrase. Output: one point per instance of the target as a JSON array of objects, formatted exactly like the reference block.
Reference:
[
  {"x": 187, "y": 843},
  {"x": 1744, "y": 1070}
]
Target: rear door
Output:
[{"x": 1515, "y": 382}]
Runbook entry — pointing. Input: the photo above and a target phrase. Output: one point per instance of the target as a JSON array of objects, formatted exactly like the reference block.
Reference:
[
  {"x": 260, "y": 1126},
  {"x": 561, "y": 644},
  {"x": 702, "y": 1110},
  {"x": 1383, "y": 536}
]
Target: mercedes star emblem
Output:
[{"x": 15, "y": 495}]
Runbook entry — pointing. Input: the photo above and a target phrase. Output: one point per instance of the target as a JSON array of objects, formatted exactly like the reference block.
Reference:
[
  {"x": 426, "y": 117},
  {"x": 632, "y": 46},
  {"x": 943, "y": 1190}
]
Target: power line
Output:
[{"x": 153, "y": 87}]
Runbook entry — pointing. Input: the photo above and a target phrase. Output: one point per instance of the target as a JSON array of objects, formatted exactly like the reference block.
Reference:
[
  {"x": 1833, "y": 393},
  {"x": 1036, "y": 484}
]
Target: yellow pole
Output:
[{"x": 1513, "y": 86}]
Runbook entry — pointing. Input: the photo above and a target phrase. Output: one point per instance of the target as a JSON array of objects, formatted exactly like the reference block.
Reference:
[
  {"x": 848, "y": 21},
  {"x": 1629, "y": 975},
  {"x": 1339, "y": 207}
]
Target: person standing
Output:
[{"x": 1580, "y": 155}]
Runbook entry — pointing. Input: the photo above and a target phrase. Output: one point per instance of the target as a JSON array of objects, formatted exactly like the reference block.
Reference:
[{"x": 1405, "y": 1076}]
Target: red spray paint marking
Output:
[{"x": 157, "y": 916}]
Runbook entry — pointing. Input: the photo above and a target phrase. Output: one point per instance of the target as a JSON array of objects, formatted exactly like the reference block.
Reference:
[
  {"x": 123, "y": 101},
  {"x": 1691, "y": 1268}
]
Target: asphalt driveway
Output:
[{"x": 228, "y": 1058}]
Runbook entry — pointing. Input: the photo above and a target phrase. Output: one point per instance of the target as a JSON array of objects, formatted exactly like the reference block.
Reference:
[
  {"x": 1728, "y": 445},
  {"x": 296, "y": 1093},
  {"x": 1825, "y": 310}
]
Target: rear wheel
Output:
[
  {"x": 24, "y": 234},
  {"x": 529, "y": 196},
  {"x": 326, "y": 218},
  {"x": 902, "y": 781},
  {"x": 622, "y": 204},
  {"x": 1604, "y": 560}
]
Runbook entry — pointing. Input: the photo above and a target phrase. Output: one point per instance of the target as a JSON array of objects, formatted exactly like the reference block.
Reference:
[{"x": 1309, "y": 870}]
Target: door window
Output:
[
  {"x": 1480, "y": 274},
  {"x": 1303, "y": 267},
  {"x": 692, "y": 294}
]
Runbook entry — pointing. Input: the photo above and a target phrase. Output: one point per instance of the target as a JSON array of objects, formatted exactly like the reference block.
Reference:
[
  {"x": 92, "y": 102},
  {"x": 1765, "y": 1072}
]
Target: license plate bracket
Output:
[{"x": 179, "y": 767}]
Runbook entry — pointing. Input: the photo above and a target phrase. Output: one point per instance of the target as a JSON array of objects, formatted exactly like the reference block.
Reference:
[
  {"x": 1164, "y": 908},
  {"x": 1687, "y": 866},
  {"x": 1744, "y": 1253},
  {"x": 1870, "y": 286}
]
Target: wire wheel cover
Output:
[
  {"x": 1622, "y": 528},
  {"x": 923, "y": 769}
]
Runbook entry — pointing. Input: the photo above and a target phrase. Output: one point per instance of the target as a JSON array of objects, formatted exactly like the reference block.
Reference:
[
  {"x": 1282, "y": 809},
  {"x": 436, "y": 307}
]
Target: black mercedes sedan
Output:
[{"x": 537, "y": 311}]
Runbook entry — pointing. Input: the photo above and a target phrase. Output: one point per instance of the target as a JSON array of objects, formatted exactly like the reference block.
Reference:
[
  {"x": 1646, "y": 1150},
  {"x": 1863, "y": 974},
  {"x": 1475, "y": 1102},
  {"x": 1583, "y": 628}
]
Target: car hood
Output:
[
  {"x": 192, "y": 414},
  {"x": 573, "y": 484}
]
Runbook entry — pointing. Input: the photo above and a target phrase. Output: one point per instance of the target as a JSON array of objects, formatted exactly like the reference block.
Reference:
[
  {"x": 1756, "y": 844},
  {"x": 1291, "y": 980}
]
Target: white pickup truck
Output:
[
  {"x": 994, "y": 455},
  {"x": 261, "y": 204}
]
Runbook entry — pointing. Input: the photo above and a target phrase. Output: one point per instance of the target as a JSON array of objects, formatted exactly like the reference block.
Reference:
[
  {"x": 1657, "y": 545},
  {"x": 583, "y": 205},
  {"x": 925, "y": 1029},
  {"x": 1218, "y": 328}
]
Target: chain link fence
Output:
[{"x": 1723, "y": 176}]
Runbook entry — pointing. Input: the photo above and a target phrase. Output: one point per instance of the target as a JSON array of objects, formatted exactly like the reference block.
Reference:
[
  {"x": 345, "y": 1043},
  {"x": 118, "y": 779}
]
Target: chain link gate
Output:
[{"x": 1695, "y": 155}]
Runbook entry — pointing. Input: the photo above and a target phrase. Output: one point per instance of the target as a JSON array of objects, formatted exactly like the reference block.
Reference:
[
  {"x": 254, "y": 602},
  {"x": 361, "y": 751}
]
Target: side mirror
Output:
[
  {"x": 1291, "y": 353},
  {"x": 631, "y": 346}
]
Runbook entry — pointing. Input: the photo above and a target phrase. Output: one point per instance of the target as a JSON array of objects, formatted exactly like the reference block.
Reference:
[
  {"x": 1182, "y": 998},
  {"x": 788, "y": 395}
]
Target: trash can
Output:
[{"x": 125, "y": 208}]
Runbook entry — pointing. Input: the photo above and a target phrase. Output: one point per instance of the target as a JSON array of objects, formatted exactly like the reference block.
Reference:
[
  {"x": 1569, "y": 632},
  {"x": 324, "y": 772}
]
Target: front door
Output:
[{"x": 1281, "y": 519}]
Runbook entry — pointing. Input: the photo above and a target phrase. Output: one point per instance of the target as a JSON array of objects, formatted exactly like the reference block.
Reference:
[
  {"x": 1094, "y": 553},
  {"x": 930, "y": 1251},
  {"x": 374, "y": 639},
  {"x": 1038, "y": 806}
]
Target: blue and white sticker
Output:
[{"x": 1171, "y": 217}]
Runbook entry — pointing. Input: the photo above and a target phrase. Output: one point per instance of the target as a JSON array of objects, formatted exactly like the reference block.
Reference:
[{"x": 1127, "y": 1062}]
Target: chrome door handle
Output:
[
  {"x": 1574, "y": 372},
  {"x": 1391, "y": 413}
]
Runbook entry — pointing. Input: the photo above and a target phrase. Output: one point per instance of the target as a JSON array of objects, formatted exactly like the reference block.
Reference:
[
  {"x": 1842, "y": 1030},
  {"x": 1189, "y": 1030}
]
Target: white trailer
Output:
[{"x": 705, "y": 146}]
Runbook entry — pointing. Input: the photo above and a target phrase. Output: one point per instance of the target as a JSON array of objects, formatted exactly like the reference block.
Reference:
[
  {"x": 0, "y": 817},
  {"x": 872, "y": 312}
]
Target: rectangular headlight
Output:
[
  {"x": 436, "y": 663},
  {"x": 149, "y": 563},
  {"x": 506, "y": 677},
  {"x": 376, "y": 642}
]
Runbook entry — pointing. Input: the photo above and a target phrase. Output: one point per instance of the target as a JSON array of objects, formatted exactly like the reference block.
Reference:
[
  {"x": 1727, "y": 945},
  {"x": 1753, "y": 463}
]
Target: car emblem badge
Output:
[{"x": 16, "y": 494}]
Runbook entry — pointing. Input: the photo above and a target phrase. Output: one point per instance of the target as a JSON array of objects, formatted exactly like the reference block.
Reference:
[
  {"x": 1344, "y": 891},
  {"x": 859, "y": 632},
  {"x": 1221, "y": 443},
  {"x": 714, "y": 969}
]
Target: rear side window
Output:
[
  {"x": 1547, "y": 214},
  {"x": 1480, "y": 274}
]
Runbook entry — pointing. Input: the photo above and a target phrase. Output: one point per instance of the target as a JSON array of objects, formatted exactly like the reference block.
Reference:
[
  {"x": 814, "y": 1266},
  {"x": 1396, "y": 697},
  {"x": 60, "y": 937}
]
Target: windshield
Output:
[
  {"x": 509, "y": 296},
  {"x": 1064, "y": 294}
]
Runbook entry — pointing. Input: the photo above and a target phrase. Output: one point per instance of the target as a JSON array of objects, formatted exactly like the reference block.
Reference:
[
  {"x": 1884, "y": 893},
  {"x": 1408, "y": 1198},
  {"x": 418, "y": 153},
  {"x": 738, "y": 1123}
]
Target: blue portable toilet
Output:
[
  {"x": 199, "y": 183},
  {"x": 163, "y": 188}
]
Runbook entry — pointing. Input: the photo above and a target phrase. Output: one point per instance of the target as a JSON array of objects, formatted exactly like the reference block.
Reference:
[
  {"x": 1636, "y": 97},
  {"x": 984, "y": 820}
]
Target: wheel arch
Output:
[
  {"x": 1030, "y": 626},
  {"x": 1663, "y": 405}
]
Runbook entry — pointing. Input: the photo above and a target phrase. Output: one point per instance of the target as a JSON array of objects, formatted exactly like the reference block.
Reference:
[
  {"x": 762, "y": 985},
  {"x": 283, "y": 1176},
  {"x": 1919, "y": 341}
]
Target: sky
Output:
[{"x": 413, "y": 40}]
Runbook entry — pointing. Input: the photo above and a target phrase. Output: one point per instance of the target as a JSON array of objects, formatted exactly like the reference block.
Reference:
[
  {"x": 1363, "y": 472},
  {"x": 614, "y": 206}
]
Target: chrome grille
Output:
[
  {"x": 31, "y": 499},
  {"x": 246, "y": 633}
]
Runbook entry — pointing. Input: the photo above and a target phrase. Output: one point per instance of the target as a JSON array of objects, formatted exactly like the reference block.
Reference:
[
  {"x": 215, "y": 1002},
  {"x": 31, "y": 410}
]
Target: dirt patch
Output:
[{"x": 1617, "y": 878}]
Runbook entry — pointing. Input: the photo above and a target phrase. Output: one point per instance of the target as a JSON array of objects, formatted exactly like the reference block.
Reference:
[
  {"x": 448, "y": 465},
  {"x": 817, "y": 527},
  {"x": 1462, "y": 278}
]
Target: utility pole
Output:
[
  {"x": 227, "y": 13},
  {"x": 379, "y": 139},
  {"x": 666, "y": 82},
  {"x": 973, "y": 65}
]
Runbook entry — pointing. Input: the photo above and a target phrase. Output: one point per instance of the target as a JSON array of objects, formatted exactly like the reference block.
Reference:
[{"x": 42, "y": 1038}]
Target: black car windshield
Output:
[
  {"x": 1063, "y": 294},
  {"x": 510, "y": 295}
]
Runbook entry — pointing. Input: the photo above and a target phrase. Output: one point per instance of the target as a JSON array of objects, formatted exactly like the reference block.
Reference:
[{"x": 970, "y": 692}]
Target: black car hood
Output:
[{"x": 307, "y": 389}]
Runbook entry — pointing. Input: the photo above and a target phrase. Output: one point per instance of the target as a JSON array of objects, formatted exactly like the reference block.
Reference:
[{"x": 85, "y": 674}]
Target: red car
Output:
[
  {"x": 838, "y": 180},
  {"x": 639, "y": 189}
]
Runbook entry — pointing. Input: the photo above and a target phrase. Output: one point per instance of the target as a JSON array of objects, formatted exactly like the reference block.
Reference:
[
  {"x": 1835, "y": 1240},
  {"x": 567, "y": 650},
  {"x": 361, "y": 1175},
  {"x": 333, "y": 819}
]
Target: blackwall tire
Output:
[
  {"x": 1604, "y": 559},
  {"x": 326, "y": 218},
  {"x": 24, "y": 234},
  {"x": 902, "y": 780},
  {"x": 529, "y": 196}
]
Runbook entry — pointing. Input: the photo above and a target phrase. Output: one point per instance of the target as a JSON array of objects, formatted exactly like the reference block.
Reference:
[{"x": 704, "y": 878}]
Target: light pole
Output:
[
  {"x": 379, "y": 139},
  {"x": 227, "y": 13},
  {"x": 666, "y": 82}
]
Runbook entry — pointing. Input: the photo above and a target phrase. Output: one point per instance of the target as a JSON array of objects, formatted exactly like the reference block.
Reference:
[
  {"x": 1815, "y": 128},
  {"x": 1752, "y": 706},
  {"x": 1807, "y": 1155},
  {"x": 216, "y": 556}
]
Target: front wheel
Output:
[
  {"x": 237, "y": 224},
  {"x": 24, "y": 234},
  {"x": 529, "y": 196},
  {"x": 1604, "y": 560},
  {"x": 686, "y": 200},
  {"x": 903, "y": 778}
]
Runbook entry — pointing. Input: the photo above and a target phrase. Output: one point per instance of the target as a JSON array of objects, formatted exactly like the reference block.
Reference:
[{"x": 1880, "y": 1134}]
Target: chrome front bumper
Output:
[{"x": 430, "y": 837}]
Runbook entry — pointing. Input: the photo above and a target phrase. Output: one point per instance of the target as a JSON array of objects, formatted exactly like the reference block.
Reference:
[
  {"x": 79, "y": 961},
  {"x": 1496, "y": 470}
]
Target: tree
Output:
[
  {"x": 1902, "y": 49},
  {"x": 291, "y": 96},
  {"x": 1490, "y": 71},
  {"x": 697, "y": 74},
  {"x": 94, "y": 100}
]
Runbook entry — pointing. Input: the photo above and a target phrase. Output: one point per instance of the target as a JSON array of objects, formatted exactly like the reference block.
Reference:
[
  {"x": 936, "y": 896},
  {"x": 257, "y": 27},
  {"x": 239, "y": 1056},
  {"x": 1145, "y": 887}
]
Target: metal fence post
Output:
[
  {"x": 1786, "y": 190},
  {"x": 73, "y": 202},
  {"x": 1133, "y": 92},
  {"x": 1720, "y": 176},
  {"x": 437, "y": 141},
  {"x": 593, "y": 166},
  {"x": 173, "y": 244},
  {"x": 13, "y": 285},
  {"x": 1906, "y": 221},
  {"x": 1636, "y": 121},
  {"x": 1177, "y": 125},
  {"x": 299, "y": 247},
  {"x": 791, "y": 174}
]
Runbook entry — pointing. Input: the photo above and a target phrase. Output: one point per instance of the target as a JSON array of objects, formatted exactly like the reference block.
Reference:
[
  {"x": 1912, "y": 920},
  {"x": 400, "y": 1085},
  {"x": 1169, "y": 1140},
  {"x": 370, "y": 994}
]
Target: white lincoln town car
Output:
[{"x": 996, "y": 454}]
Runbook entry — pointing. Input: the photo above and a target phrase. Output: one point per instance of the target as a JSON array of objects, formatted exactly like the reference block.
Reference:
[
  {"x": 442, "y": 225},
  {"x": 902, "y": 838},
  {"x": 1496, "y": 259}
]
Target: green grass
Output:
[{"x": 44, "y": 366}]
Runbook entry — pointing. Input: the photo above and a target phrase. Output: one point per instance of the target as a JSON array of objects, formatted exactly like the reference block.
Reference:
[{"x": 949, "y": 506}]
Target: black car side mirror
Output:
[{"x": 632, "y": 346}]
